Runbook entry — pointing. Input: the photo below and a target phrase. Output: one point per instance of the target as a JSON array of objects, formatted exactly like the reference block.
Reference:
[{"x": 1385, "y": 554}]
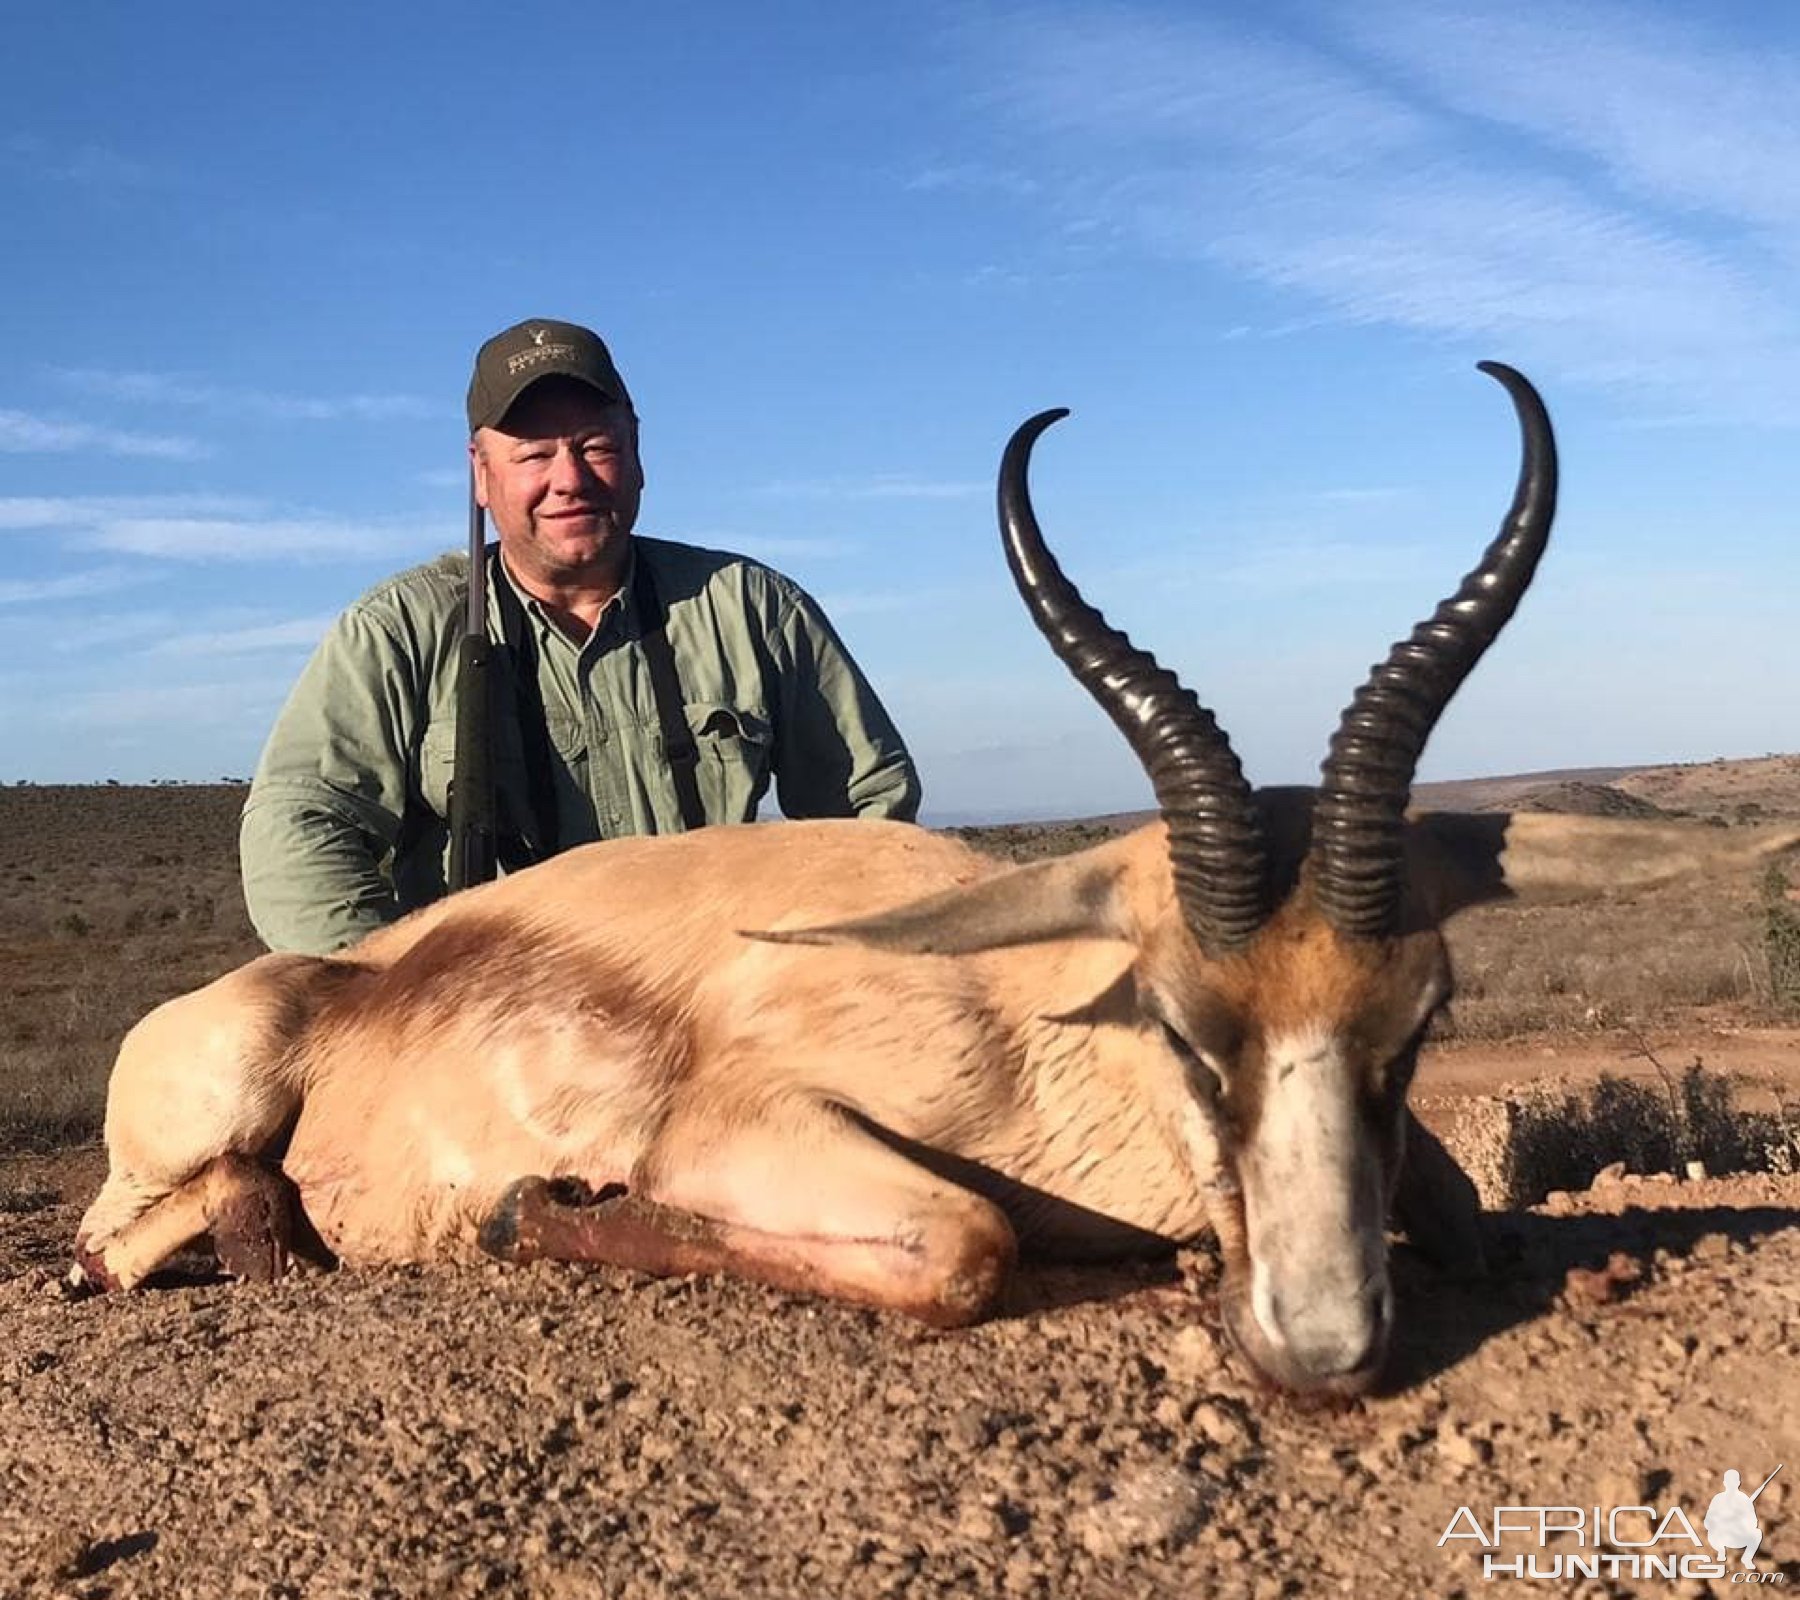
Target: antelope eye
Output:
[{"x": 1205, "y": 1076}]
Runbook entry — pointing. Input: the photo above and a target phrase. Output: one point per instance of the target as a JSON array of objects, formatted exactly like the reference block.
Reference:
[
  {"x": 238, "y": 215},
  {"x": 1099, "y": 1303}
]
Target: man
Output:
[{"x": 345, "y": 827}]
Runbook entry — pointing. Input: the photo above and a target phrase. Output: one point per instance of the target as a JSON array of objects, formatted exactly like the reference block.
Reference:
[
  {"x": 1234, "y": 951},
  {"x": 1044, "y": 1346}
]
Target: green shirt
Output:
[{"x": 345, "y": 829}]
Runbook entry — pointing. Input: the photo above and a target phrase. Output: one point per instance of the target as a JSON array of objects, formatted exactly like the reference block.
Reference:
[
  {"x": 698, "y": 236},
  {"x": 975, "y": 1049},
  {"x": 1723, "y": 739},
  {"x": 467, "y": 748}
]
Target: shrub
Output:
[{"x": 1781, "y": 940}]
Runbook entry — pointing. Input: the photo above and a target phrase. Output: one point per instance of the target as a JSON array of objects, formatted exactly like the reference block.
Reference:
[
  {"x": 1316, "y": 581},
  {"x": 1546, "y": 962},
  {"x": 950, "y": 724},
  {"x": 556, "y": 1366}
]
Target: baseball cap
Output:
[{"x": 541, "y": 347}]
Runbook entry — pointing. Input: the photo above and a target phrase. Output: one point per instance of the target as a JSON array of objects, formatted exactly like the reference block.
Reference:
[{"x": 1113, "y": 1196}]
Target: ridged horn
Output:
[
  {"x": 1367, "y": 782},
  {"x": 1215, "y": 839}
]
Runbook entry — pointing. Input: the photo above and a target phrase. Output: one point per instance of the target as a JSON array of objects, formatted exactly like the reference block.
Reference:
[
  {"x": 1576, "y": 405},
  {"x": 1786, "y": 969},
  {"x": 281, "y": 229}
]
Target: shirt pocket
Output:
[
  {"x": 437, "y": 764},
  {"x": 735, "y": 745}
]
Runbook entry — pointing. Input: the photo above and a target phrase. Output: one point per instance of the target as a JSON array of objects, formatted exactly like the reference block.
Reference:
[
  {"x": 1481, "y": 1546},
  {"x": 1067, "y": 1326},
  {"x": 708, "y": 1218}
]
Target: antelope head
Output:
[{"x": 1287, "y": 942}]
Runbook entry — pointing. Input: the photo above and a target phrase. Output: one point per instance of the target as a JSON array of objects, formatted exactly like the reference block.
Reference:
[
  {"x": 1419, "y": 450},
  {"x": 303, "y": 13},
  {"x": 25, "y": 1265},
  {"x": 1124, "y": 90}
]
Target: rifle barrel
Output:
[{"x": 472, "y": 806}]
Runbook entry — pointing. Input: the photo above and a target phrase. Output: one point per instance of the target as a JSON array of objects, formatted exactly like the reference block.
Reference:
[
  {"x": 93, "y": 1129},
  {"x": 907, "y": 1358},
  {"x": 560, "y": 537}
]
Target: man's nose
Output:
[{"x": 570, "y": 473}]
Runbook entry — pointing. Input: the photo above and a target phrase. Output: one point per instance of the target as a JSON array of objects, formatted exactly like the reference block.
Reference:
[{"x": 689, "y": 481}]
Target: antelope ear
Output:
[
  {"x": 1459, "y": 859},
  {"x": 1070, "y": 897}
]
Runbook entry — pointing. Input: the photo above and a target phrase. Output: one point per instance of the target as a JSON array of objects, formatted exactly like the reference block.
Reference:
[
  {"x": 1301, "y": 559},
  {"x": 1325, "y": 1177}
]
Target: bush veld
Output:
[
  {"x": 1550, "y": 1135},
  {"x": 1781, "y": 940}
]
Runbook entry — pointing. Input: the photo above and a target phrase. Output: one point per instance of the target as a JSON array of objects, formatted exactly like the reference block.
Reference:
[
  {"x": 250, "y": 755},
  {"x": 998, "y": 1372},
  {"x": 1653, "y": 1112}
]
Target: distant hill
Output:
[
  {"x": 1731, "y": 792},
  {"x": 126, "y": 824}
]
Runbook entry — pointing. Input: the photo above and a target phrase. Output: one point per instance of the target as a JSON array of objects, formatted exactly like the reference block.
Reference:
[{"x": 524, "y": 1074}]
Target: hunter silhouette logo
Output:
[
  {"x": 1564, "y": 1542},
  {"x": 1730, "y": 1520}
]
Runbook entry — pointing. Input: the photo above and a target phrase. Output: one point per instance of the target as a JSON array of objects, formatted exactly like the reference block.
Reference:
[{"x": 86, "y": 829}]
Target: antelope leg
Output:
[
  {"x": 805, "y": 1202},
  {"x": 251, "y": 1211}
]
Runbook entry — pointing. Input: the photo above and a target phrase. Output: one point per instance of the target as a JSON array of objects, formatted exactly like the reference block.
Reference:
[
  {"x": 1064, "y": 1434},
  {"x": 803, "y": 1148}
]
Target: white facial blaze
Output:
[{"x": 1312, "y": 1206}]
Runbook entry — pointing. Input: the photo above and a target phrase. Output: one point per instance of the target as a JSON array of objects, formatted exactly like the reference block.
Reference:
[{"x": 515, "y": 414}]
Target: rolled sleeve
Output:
[
  {"x": 838, "y": 753},
  {"x": 325, "y": 808}
]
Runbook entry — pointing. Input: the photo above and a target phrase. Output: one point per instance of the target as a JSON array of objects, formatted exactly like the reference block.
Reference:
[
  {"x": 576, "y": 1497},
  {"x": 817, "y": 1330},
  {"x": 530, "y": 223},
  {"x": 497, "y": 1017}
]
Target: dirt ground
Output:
[{"x": 568, "y": 1434}]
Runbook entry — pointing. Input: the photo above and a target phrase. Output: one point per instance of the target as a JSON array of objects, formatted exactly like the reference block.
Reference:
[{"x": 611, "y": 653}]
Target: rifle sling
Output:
[
  {"x": 515, "y": 849},
  {"x": 679, "y": 748}
]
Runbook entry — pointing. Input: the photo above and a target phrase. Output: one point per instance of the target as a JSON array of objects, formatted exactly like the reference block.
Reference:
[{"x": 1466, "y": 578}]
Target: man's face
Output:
[{"x": 560, "y": 477}]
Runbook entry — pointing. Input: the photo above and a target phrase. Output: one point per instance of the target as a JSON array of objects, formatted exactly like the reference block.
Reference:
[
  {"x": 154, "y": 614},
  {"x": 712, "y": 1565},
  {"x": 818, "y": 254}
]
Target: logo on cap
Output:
[{"x": 538, "y": 335}]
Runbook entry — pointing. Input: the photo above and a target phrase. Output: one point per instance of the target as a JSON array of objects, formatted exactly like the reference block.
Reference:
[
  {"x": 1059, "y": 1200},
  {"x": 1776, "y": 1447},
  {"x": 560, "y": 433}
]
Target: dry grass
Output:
[
  {"x": 1549, "y": 1135},
  {"x": 1624, "y": 962},
  {"x": 116, "y": 899}
]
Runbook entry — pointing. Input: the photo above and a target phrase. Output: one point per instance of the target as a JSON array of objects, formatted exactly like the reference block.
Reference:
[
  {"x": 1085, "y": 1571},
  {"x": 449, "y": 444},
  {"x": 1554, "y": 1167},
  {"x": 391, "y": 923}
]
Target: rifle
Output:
[{"x": 472, "y": 804}]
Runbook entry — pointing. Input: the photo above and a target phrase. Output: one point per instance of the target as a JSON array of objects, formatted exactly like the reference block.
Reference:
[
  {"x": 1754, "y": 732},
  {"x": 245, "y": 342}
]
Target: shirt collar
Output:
[{"x": 622, "y": 604}]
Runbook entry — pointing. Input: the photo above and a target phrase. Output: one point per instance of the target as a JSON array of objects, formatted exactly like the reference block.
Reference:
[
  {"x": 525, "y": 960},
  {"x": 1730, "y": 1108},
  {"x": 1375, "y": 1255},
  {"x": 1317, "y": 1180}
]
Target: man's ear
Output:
[
  {"x": 478, "y": 469},
  {"x": 637, "y": 448}
]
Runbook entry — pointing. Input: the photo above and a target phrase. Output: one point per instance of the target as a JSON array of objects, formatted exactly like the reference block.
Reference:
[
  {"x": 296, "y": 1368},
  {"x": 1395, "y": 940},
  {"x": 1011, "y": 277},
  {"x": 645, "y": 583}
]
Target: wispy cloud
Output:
[
  {"x": 298, "y": 633},
  {"x": 877, "y": 488},
  {"x": 71, "y": 586},
  {"x": 1687, "y": 119},
  {"x": 1279, "y": 565},
  {"x": 87, "y": 165},
  {"x": 1375, "y": 496},
  {"x": 1449, "y": 169},
  {"x": 204, "y": 527},
  {"x": 839, "y": 606},
  {"x": 260, "y": 539},
  {"x": 168, "y": 706},
  {"x": 972, "y": 177},
  {"x": 767, "y": 547},
  {"x": 22, "y": 433},
  {"x": 80, "y": 511},
  {"x": 166, "y": 389}
]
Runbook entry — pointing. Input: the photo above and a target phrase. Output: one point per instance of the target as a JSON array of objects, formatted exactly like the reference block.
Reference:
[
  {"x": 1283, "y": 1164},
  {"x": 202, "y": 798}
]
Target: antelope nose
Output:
[{"x": 1331, "y": 1336}]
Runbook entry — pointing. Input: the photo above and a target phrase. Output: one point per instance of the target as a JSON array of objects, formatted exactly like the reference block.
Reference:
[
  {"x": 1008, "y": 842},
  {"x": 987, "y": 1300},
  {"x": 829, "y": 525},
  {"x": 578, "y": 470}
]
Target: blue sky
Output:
[{"x": 839, "y": 252}]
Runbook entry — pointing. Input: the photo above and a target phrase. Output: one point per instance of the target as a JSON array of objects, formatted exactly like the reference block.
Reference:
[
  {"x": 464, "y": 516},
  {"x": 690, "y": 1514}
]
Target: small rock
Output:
[
  {"x": 1215, "y": 1422},
  {"x": 1611, "y": 1176},
  {"x": 1695, "y": 1171},
  {"x": 1582, "y": 1286},
  {"x": 980, "y": 1524},
  {"x": 1193, "y": 1353},
  {"x": 1711, "y": 1247},
  {"x": 1158, "y": 1505},
  {"x": 969, "y": 1428},
  {"x": 1463, "y": 1449},
  {"x": 1170, "y": 1413}
]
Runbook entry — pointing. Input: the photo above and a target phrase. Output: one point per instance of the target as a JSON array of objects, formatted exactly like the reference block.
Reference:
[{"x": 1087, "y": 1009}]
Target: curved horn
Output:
[
  {"x": 1368, "y": 775},
  {"x": 1215, "y": 839}
]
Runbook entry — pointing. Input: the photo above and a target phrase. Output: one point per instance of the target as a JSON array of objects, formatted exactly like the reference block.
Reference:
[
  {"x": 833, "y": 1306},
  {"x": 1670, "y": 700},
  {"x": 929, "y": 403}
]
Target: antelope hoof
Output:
[
  {"x": 500, "y": 1231},
  {"x": 253, "y": 1230},
  {"x": 88, "y": 1274}
]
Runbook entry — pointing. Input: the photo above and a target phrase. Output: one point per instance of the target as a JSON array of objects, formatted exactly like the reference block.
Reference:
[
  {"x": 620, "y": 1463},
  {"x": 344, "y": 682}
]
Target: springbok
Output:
[{"x": 859, "y": 1059}]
